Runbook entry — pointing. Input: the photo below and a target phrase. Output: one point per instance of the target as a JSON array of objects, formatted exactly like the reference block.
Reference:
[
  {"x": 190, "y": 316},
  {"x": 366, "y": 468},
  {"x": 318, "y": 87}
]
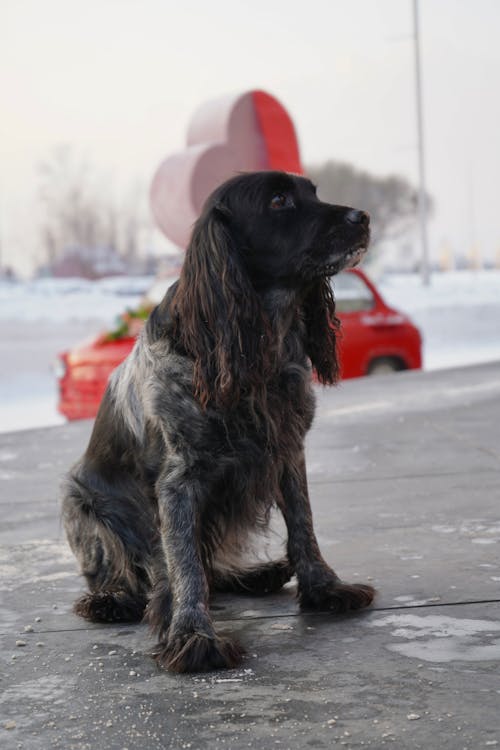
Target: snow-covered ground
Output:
[
  {"x": 458, "y": 314},
  {"x": 68, "y": 300}
]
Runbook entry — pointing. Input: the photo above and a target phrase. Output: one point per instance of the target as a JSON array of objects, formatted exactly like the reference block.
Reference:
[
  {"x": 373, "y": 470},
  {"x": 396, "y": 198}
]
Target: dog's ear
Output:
[
  {"x": 322, "y": 330},
  {"x": 219, "y": 321}
]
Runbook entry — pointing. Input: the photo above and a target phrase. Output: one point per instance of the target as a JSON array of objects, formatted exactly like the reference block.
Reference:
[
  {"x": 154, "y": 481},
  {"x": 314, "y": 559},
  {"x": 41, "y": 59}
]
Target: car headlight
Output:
[{"x": 59, "y": 368}]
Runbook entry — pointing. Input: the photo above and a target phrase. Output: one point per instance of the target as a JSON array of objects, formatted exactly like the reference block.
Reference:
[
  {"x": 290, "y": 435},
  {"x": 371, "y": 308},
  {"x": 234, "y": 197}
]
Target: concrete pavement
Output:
[{"x": 404, "y": 477}]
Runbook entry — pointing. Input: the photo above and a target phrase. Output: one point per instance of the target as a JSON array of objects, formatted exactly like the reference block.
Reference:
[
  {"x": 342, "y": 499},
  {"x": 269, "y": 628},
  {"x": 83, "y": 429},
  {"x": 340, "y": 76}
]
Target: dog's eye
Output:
[{"x": 281, "y": 200}]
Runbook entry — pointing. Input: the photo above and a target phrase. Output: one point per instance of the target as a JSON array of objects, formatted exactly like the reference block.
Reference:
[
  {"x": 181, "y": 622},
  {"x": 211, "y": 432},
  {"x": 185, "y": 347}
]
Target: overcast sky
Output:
[{"x": 119, "y": 80}]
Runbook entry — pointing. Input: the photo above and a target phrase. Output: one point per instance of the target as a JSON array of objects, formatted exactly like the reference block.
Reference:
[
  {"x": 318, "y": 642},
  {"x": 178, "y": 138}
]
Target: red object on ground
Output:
[
  {"x": 243, "y": 133},
  {"x": 375, "y": 338},
  {"x": 85, "y": 373},
  {"x": 278, "y": 133}
]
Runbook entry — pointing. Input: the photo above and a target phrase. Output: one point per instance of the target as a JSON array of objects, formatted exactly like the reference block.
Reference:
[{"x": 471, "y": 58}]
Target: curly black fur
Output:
[{"x": 201, "y": 430}]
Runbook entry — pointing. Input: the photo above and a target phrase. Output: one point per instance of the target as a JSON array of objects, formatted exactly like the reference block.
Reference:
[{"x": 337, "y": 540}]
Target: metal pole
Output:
[{"x": 422, "y": 207}]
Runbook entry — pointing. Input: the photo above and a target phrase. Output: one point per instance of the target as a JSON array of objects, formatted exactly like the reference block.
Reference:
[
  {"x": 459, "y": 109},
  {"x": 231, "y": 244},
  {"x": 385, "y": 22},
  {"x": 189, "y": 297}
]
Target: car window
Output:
[{"x": 351, "y": 293}]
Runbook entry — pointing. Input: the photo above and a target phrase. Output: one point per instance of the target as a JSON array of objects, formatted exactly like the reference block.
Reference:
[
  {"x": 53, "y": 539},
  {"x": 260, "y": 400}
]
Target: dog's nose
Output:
[{"x": 357, "y": 217}]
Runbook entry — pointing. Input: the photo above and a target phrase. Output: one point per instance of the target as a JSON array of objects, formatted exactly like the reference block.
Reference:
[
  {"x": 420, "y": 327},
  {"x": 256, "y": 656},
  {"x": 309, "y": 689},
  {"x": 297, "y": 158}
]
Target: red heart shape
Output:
[{"x": 248, "y": 132}]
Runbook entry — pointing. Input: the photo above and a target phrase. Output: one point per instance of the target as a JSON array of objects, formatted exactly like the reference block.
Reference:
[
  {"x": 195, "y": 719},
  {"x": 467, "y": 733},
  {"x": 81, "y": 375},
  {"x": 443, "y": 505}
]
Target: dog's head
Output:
[
  {"x": 259, "y": 232},
  {"x": 284, "y": 233}
]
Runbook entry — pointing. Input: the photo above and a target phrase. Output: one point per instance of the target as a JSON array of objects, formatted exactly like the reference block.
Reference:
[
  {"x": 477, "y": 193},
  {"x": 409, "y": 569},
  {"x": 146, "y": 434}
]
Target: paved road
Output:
[{"x": 405, "y": 482}]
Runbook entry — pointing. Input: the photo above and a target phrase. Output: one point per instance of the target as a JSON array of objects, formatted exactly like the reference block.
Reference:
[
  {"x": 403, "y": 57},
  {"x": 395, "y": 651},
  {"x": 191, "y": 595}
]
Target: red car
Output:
[{"x": 375, "y": 339}]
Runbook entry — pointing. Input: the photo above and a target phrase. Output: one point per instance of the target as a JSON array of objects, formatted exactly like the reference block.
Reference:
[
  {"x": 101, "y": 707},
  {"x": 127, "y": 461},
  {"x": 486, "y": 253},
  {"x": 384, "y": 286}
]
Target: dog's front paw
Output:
[
  {"x": 197, "y": 652},
  {"x": 336, "y": 596}
]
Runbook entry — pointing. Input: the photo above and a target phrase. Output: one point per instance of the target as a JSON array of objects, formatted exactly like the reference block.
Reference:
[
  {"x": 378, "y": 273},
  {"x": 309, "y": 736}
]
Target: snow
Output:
[
  {"x": 70, "y": 299},
  {"x": 446, "y": 290},
  {"x": 458, "y": 315}
]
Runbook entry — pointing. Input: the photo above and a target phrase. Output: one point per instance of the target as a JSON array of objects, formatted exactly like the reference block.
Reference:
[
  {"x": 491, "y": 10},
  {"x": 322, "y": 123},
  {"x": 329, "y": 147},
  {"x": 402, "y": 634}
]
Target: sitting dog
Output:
[{"x": 201, "y": 430}]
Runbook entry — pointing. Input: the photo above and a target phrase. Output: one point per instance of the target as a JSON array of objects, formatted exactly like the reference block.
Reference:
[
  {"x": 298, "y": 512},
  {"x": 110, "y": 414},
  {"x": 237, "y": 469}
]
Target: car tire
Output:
[{"x": 384, "y": 366}]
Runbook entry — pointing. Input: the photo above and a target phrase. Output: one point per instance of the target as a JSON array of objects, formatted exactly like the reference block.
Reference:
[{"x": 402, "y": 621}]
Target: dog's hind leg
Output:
[
  {"x": 112, "y": 562},
  {"x": 118, "y": 605},
  {"x": 263, "y": 578}
]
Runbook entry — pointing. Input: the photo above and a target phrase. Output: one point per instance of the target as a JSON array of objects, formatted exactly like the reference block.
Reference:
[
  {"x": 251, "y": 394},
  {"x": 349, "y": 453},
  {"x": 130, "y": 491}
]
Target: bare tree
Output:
[
  {"x": 79, "y": 211},
  {"x": 131, "y": 220},
  {"x": 391, "y": 201},
  {"x": 72, "y": 214}
]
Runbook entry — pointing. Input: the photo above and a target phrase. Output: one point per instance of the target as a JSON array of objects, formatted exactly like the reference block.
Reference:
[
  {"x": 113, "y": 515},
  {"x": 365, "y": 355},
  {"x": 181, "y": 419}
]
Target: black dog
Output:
[{"x": 201, "y": 430}]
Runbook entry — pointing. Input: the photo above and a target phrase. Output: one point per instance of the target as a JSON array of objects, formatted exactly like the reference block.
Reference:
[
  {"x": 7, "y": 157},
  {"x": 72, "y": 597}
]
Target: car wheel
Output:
[{"x": 384, "y": 365}]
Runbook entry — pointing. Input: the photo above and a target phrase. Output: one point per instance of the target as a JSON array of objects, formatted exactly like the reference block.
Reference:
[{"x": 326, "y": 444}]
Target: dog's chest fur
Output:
[
  {"x": 244, "y": 433},
  {"x": 241, "y": 452}
]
